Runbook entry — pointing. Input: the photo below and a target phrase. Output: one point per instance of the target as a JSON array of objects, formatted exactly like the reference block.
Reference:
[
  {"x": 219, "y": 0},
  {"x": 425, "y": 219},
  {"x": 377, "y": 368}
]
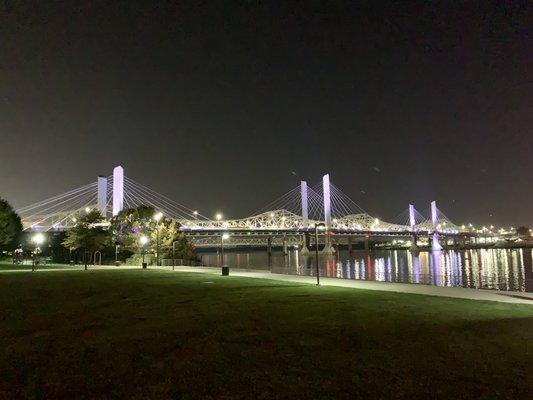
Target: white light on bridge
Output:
[
  {"x": 218, "y": 216},
  {"x": 158, "y": 216},
  {"x": 225, "y": 236}
]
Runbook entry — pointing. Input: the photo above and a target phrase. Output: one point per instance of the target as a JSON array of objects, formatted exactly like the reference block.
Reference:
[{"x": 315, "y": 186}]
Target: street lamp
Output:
[
  {"x": 316, "y": 251},
  {"x": 225, "y": 269},
  {"x": 173, "y": 255},
  {"x": 143, "y": 240},
  {"x": 195, "y": 213},
  {"x": 157, "y": 218},
  {"x": 38, "y": 239},
  {"x": 117, "y": 245},
  {"x": 218, "y": 216}
]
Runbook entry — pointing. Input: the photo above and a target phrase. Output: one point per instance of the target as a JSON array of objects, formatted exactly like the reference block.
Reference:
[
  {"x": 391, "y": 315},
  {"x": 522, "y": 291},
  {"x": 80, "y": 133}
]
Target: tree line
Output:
[{"x": 118, "y": 238}]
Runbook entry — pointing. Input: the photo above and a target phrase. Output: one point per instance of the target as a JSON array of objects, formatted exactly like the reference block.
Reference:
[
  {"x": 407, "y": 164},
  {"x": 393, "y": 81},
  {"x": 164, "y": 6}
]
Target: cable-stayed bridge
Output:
[{"x": 297, "y": 211}]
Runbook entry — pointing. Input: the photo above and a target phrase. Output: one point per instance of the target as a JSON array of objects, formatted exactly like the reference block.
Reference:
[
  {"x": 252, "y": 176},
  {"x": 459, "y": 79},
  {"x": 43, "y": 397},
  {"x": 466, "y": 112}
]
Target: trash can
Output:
[
  {"x": 144, "y": 265},
  {"x": 225, "y": 270}
]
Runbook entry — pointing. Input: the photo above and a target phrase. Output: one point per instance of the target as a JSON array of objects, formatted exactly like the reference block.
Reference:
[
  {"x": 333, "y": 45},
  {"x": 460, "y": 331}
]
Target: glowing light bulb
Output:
[{"x": 38, "y": 239}]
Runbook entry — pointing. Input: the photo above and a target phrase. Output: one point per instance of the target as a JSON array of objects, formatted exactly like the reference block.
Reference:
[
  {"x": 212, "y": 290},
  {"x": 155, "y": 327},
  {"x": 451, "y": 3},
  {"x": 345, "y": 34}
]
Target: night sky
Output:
[{"x": 226, "y": 107}]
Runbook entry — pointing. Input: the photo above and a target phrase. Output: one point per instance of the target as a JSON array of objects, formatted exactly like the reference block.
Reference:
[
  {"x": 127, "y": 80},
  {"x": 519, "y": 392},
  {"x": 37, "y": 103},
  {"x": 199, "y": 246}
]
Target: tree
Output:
[
  {"x": 168, "y": 234},
  {"x": 522, "y": 231},
  {"x": 184, "y": 249},
  {"x": 10, "y": 226},
  {"x": 130, "y": 224},
  {"x": 88, "y": 234}
]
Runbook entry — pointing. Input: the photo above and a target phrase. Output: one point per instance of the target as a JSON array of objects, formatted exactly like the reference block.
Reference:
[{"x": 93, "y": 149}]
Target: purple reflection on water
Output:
[{"x": 416, "y": 268}]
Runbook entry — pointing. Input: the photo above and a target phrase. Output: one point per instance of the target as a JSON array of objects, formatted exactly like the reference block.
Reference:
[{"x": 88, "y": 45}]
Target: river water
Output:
[{"x": 497, "y": 269}]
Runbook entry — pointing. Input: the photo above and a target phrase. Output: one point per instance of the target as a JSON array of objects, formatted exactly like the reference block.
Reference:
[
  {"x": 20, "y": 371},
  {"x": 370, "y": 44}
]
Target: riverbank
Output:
[{"x": 412, "y": 288}]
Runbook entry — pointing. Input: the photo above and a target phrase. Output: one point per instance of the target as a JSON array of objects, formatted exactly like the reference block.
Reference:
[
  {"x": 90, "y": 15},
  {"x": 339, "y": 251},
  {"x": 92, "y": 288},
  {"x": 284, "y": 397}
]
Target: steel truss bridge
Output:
[{"x": 285, "y": 220}]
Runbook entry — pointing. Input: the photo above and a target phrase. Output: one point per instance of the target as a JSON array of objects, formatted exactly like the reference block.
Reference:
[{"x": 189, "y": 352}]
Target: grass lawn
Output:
[{"x": 155, "y": 334}]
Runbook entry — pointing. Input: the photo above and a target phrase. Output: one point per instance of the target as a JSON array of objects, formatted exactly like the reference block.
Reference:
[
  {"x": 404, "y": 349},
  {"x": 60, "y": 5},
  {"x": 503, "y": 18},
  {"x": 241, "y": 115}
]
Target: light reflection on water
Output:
[{"x": 500, "y": 269}]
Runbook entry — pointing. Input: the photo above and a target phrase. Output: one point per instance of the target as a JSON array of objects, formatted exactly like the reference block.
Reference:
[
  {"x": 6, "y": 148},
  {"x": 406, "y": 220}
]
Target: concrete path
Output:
[
  {"x": 428, "y": 290},
  {"x": 462, "y": 293}
]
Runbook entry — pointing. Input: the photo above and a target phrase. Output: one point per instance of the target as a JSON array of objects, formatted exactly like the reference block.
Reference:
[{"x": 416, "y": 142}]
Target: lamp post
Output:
[
  {"x": 173, "y": 255},
  {"x": 37, "y": 239},
  {"x": 143, "y": 240},
  {"x": 116, "y": 254},
  {"x": 157, "y": 218},
  {"x": 316, "y": 252},
  {"x": 225, "y": 269}
]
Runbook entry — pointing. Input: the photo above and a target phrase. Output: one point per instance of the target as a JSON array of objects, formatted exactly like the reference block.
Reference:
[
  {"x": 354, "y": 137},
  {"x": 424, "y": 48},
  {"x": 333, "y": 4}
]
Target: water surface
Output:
[{"x": 497, "y": 269}]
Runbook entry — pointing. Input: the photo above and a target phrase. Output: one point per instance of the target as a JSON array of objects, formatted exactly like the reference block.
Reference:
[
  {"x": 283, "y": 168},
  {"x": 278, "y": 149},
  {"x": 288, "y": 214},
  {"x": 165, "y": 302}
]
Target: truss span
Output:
[{"x": 271, "y": 220}]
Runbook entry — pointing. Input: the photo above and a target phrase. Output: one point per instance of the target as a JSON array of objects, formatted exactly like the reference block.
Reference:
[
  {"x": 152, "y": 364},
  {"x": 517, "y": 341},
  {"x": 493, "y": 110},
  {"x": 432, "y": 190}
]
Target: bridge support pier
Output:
[
  {"x": 435, "y": 244},
  {"x": 367, "y": 246},
  {"x": 305, "y": 245},
  {"x": 414, "y": 245},
  {"x": 350, "y": 246},
  {"x": 328, "y": 248},
  {"x": 269, "y": 250}
]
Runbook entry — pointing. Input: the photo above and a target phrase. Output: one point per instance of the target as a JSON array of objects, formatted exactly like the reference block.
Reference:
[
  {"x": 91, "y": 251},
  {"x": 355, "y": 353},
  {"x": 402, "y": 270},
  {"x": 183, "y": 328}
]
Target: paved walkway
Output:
[
  {"x": 462, "y": 293},
  {"x": 456, "y": 292}
]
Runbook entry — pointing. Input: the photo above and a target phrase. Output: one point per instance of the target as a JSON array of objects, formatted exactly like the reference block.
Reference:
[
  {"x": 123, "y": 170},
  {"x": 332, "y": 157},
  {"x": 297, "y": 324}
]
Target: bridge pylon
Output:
[
  {"x": 412, "y": 223},
  {"x": 305, "y": 203},
  {"x": 435, "y": 245},
  {"x": 326, "y": 191},
  {"x": 102, "y": 195},
  {"x": 118, "y": 190}
]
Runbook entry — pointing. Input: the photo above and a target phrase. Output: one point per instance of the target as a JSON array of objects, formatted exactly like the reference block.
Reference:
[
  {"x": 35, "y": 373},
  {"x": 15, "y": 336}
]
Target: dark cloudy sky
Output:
[{"x": 225, "y": 107}]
